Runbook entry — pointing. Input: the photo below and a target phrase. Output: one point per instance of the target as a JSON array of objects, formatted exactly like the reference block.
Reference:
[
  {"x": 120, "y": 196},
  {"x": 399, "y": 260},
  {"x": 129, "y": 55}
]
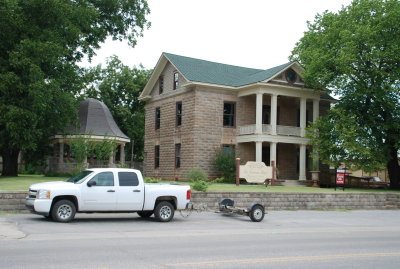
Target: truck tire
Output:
[
  {"x": 63, "y": 211},
  {"x": 257, "y": 213},
  {"x": 145, "y": 214},
  {"x": 164, "y": 211}
]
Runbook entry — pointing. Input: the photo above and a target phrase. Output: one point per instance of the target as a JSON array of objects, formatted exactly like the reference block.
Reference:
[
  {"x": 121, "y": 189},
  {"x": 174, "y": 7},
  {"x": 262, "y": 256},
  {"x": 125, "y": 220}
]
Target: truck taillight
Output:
[{"x": 188, "y": 194}]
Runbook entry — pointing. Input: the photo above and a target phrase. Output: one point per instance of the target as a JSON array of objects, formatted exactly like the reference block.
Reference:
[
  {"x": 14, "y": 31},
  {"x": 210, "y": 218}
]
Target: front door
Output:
[
  {"x": 102, "y": 195},
  {"x": 266, "y": 155}
]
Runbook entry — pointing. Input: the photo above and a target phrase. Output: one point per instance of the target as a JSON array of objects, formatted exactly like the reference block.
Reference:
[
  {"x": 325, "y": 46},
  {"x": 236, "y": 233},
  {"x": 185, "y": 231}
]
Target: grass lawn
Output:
[{"x": 22, "y": 182}]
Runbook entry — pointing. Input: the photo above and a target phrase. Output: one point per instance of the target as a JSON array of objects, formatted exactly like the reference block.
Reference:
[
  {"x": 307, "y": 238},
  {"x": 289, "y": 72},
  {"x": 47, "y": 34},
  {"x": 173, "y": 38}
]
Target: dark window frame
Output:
[
  {"x": 157, "y": 118},
  {"x": 178, "y": 148},
  {"x": 156, "y": 156},
  {"x": 232, "y": 115},
  {"x": 176, "y": 80},
  {"x": 178, "y": 114},
  {"x": 160, "y": 84}
]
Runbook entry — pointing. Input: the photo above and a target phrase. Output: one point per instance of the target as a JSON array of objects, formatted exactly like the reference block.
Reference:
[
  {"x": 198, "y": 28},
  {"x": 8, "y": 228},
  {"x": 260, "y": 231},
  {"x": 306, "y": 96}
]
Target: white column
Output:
[
  {"x": 274, "y": 113},
  {"x": 258, "y": 151},
  {"x": 315, "y": 109},
  {"x": 122, "y": 154},
  {"x": 111, "y": 160},
  {"x": 272, "y": 152},
  {"x": 61, "y": 153},
  {"x": 259, "y": 104},
  {"x": 303, "y": 114},
  {"x": 302, "y": 164},
  {"x": 315, "y": 117}
]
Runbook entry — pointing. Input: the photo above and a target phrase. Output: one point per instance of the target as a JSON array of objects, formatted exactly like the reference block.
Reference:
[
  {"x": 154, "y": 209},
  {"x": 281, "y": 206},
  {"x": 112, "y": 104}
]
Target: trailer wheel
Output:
[{"x": 257, "y": 213}]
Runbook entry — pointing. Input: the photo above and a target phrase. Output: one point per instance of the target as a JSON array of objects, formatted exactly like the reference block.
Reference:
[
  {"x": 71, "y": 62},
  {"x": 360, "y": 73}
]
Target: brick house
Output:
[{"x": 194, "y": 107}]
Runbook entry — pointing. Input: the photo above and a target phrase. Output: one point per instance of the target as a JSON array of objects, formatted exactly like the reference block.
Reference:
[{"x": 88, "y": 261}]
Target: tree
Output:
[
  {"x": 41, "y": 42},
  {"x": 119, "y": 87},
  {"x": 355, "y": 54}
]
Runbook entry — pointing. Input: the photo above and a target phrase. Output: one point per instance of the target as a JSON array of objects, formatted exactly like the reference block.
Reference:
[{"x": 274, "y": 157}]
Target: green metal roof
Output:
[
  {"x": 224, "y": 74},
  {"x": 221, "y": 74}
]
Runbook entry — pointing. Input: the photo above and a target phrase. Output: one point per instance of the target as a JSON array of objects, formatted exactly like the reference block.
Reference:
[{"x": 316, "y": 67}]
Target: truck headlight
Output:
[{"x": 43, "y": 194}]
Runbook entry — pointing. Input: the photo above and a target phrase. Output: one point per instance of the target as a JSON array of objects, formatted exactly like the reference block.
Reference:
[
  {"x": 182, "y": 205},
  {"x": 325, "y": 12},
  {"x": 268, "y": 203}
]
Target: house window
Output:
[
  {"x": 229, "y": 114},
  {"x": 177, "y": 155},
  {"x": 228, "y": 149},
  {"x": 176, "y": 80},
  {"x": 158, "y": 118},
  {"x": 156, "y": 156},
  {"x": 178, "y": 113},
  {"x": 160, "y": 84}
]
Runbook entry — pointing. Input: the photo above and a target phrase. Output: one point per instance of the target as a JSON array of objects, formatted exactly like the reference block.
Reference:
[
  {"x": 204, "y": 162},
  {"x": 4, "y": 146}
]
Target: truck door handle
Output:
[
  {"x": 136, "y": 190},
  {"x": 110, "y": 191}
]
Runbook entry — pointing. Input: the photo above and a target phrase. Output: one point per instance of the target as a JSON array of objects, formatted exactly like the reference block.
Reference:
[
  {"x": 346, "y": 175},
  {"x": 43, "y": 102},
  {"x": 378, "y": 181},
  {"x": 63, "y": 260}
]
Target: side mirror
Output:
[{"x": 91, "y": 183}]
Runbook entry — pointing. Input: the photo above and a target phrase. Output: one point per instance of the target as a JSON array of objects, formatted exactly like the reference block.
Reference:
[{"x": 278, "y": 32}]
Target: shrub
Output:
[
  {"x": 151, "y": 180},
  {"x": 225, "y": 164},
  {"x": 198, "y": 178}
]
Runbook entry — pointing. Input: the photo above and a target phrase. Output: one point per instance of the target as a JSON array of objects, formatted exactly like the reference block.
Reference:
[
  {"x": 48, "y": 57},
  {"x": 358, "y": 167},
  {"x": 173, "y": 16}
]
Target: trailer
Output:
[{"x": 255, "y": 211}]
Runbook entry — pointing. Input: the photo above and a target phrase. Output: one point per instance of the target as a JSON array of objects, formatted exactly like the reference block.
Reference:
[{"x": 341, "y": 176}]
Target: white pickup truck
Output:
[{"x": 107, "y": 190}]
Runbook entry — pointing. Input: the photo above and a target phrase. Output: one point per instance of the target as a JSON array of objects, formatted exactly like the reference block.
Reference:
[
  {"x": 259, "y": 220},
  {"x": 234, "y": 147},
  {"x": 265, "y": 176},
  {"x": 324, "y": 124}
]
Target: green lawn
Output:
[{"x": 22, "y": 182}]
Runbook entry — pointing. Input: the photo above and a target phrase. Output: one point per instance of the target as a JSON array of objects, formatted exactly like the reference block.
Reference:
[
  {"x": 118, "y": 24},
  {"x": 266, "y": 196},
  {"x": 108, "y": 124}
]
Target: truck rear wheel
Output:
[
  {"x": 164, "y": 211},
  {"x": 63, "y": 211}
]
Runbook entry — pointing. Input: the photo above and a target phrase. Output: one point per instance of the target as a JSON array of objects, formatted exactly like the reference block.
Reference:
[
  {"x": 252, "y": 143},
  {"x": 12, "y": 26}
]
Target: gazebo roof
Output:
[{"x": 95, "y": 119}]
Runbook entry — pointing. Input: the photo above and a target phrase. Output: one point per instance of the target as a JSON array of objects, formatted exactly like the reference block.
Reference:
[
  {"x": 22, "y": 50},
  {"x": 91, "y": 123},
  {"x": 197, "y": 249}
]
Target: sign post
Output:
[{"x": 340, "y": 178}]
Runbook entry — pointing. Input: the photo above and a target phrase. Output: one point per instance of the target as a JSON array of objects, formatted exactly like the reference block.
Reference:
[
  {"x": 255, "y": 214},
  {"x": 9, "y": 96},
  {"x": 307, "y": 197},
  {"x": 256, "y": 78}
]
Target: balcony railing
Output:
[{"x": 267, "y": 129}]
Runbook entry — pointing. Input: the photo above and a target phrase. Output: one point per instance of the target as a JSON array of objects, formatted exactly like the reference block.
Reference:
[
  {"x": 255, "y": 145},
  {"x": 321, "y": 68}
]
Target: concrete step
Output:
[{"x": 293, "y": 183}]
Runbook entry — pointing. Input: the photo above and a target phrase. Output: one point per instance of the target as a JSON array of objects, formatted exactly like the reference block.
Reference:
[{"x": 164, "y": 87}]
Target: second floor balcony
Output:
[{"x": 268, "y": 130}]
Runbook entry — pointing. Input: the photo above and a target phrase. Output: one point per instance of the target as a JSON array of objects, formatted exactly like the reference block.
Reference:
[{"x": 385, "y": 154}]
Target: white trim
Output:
[
  {"x": 91, "y": 137},
  {"x": 272, "y": 138}
]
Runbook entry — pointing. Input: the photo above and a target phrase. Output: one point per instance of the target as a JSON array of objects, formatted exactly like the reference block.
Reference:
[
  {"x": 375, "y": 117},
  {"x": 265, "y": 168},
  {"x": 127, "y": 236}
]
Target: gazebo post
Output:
[{"x": 122, "y": 153}]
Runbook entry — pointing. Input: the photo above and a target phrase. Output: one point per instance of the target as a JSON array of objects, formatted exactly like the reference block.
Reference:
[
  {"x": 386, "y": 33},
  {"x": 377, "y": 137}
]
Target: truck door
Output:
[
  {"x": 130, "y": 193},
  {"x": 101, "y": 196}
]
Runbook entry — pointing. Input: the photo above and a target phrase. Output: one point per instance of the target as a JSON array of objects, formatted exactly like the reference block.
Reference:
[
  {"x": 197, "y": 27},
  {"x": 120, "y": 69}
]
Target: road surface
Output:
[{"x": 284, "y": 239}]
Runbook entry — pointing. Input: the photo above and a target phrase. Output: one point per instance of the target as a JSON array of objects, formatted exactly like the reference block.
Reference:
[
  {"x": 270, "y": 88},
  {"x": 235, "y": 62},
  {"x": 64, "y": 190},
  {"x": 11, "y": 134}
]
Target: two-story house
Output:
[{"x": 194, "y": 107}]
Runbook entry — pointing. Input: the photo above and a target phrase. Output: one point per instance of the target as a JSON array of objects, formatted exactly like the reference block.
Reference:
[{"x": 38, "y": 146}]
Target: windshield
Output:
[{"x": 79, "y": 177}]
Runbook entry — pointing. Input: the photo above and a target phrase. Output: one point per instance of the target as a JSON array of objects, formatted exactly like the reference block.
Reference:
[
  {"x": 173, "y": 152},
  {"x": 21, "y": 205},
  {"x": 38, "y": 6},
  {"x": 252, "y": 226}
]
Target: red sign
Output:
[{"x": 340, "y": 174}]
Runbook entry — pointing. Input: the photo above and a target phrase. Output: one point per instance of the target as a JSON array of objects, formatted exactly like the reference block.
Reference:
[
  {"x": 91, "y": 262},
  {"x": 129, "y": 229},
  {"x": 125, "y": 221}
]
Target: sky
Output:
[{"x": 249, "y": 33}]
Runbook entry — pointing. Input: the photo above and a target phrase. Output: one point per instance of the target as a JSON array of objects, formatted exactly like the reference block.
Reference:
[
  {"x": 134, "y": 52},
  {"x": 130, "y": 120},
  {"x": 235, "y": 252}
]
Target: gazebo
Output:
[{"x": 95, "y": 123}]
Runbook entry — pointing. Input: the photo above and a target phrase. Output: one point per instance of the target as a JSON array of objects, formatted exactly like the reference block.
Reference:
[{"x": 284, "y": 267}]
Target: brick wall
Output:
[
  {"x": 209, "y": 133},
  {"x": 14, "y": 201},
  {"x": 301, "y": 201}
]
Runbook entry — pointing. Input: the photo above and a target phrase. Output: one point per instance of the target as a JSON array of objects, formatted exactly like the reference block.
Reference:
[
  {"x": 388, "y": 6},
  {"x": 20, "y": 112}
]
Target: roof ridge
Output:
[{"x": 231, "y": 65}]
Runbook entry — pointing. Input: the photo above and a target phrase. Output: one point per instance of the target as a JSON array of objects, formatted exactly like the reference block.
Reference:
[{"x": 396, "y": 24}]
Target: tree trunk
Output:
[
  {"x": 10, "y": 162},
  {"x": 394, "y": 170}
]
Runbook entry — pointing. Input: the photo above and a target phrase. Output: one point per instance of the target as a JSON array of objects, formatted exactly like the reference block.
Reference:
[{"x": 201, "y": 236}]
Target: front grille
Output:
[{"x": 32, "y": 194}]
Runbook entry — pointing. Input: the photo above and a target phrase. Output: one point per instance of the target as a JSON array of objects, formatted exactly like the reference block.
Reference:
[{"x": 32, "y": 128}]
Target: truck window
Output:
[
  {"x": 104, "y": 179},
  {"x": 128, "y": 179}
]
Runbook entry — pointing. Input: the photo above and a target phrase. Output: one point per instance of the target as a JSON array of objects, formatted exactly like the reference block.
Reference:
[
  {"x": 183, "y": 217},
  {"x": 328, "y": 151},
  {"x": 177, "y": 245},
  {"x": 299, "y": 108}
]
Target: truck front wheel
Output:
[
  {"x": 164, "y": 211},
  {"x": 63, "y": 211}
]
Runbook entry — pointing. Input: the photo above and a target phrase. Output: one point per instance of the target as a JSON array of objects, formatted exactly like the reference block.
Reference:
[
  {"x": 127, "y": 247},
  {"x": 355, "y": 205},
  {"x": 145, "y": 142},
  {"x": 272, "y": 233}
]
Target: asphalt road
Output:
[{"x": 285, "y": 239}]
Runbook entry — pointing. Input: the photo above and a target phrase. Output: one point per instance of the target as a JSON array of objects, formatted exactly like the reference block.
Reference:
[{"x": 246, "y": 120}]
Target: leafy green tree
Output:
[
  {"x": 225, "y": 163},
  {"x": 355, "y": 54},
  {"x": 41, "y": 42},
  {"x": 119, "y": 87}
]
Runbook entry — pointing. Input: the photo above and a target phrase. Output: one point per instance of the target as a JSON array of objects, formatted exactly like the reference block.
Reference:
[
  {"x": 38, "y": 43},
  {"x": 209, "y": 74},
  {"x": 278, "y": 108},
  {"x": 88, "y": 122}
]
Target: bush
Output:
[
  {"x": 198, "y": 178},
  {"x": 151, "y": 180},
  {"x": 225, "y": 164}
]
